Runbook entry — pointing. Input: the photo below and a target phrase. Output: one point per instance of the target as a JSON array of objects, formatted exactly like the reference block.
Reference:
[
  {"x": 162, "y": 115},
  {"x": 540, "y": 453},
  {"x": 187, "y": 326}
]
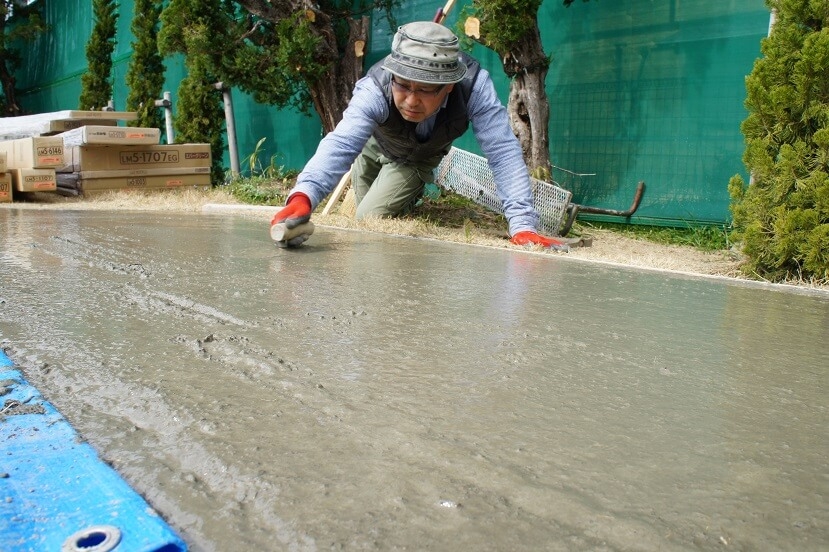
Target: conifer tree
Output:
[
  {"x": 145, "y": 74},
  {"x": 782, "y": 216},
  {"x": 187, "y": 26},
  {"x": 96, "y": 83},
  {"x": 199, "y": 117}
]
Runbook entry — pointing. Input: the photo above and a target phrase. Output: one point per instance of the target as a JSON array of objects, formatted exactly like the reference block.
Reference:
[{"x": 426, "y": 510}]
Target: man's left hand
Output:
[{"x": 531, "y": 238}]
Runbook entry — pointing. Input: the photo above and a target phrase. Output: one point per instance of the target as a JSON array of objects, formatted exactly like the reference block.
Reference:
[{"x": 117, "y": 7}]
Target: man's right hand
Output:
[
  {"x": 532, "y": 238},
  {"x": 297, "y": 211}
]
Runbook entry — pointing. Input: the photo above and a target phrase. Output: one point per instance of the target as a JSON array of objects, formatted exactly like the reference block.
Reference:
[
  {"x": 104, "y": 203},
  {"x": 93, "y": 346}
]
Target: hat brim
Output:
[{"x": 421, "y": 75}]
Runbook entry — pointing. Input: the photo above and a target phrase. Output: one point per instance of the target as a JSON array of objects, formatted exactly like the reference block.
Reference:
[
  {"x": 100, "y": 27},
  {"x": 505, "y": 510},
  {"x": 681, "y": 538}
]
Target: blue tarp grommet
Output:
[{"x": 98, "y": 538}]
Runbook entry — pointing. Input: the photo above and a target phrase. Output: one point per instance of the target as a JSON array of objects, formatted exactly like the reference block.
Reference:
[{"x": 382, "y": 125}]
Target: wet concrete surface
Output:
[{"x": 370, "y": 392}]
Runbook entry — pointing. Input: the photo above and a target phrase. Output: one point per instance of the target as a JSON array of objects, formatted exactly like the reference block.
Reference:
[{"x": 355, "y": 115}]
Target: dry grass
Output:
[
  {"x": 182, "y": 200},
  {"x": 457, "y": 224}
]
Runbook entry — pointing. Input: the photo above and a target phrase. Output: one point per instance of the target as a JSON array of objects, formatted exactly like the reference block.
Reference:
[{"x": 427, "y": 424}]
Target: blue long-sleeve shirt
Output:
[{"x": 369, "y": 108}]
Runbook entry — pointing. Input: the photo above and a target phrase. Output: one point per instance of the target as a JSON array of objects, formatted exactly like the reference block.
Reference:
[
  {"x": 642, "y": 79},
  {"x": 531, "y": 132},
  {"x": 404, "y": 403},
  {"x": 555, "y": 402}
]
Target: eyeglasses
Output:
[{"x": 403, "y": 89}]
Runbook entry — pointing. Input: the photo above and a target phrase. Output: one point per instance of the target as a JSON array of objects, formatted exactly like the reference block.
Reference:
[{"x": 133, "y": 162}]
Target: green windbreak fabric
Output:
[
  {"x": 638, "y": 90},
  {"x": 651, "y": 91}
]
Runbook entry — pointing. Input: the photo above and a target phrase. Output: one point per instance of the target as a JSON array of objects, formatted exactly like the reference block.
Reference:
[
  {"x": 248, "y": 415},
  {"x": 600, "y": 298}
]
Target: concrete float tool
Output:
[{"x": 280, "y": 232}]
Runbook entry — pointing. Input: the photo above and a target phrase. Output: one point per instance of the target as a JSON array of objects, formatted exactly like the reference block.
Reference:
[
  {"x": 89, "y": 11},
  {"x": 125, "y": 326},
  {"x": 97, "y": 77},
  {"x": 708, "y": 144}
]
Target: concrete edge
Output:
[
  {"x": 789, "y": 288},
  {"x": 238, "y": 208}
]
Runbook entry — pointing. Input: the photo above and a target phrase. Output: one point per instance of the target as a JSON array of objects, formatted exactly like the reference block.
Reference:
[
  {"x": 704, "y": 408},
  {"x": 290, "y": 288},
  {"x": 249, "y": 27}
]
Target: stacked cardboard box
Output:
[
  {"x": 5, "y": 180},
  {"x": 31, "y": 152},
  {"x": 100, "y": 159},
  {"x": 94, "y": 168},
  {"x": 32, "y": 162},
  {"x": 96, "y": 134},
  {"x": 47, "y": 124},
  {"x": 87, "y": 152}
]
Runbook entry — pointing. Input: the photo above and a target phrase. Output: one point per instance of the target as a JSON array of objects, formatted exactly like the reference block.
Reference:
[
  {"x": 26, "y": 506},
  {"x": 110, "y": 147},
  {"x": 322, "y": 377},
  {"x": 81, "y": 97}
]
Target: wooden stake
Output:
[{"x": 337, "y": 193}]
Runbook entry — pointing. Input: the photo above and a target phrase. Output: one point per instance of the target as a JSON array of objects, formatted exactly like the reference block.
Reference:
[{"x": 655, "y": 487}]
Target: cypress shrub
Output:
[
  {"x": 145, "y": 74},
  {"x": 199, "y": 117},
  {"x": 96, "y": 83},
  {"x": 189, "y": 27},
  {"x": 782, "y": 216}
]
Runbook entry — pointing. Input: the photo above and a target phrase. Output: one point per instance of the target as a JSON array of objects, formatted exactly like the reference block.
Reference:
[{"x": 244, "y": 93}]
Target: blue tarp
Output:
[{"x": 56, "y": 493}]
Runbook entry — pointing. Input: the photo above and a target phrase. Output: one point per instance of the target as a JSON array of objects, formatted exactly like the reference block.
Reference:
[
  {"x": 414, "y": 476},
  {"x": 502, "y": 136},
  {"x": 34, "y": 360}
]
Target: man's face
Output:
[{"x": 417, "y": 101}]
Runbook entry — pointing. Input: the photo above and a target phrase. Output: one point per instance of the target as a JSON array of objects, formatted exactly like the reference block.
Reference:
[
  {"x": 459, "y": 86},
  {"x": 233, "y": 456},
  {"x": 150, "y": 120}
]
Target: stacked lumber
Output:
[{"x": 82, "y": 153}]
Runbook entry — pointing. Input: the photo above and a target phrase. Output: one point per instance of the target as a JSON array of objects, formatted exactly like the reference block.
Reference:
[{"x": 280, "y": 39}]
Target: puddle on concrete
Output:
[{"x": 372, "y": 392}]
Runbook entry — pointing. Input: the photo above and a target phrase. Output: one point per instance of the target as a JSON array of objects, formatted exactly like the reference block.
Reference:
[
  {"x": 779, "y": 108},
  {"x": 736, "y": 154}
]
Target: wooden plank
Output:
[{"x": 337, "y": 193}]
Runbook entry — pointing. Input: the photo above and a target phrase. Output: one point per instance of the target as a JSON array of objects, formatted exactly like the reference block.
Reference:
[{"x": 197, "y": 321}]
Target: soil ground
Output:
[{"x": 440, "y": 221}]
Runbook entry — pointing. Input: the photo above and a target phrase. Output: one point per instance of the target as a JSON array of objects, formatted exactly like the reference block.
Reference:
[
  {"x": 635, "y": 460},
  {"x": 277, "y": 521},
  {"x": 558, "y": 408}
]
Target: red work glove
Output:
[
  {"x": 531, "y": 238},
  {"x": 297, "y": 211}
]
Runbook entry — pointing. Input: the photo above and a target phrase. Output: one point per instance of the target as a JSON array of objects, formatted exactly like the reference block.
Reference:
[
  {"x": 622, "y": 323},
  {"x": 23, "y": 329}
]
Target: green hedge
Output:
[{"x": 782, "y": 216}]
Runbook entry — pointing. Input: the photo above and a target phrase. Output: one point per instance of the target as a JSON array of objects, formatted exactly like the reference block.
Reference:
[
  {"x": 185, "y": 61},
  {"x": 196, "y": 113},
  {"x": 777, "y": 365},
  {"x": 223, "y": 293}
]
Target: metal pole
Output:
[
  {"x": 167, "y": 104},
  {"x": 231, "y": 128},
  {"x": 168, "y": 117}
]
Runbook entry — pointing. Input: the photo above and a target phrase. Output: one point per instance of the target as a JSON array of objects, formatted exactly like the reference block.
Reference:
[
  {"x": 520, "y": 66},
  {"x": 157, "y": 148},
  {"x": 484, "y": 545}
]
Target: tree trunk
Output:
[
  {"x": 529, "y": 113},
  {"x": 331, "y": 95}
]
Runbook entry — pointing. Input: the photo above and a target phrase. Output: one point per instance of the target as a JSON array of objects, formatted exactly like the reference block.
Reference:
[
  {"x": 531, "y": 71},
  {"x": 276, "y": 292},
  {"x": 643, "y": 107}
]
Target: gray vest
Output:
[{"x": 396, "y": 136}]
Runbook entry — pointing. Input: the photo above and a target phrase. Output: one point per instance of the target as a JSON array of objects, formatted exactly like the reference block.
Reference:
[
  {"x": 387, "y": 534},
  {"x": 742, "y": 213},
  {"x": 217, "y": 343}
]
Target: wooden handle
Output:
[
  {"x": 280, "y": 232},
  {"x": 441, "y": 14}
]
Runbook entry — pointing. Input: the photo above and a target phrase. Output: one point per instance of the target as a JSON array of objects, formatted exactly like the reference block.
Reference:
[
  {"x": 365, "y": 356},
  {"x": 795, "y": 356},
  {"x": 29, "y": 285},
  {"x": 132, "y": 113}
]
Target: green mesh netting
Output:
[{"x": 638, "y": 89}]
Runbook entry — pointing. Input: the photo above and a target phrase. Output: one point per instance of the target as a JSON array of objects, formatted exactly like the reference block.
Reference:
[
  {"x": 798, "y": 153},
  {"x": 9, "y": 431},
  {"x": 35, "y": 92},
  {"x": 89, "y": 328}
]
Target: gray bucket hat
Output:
[{"x": 425, "y": 52}]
